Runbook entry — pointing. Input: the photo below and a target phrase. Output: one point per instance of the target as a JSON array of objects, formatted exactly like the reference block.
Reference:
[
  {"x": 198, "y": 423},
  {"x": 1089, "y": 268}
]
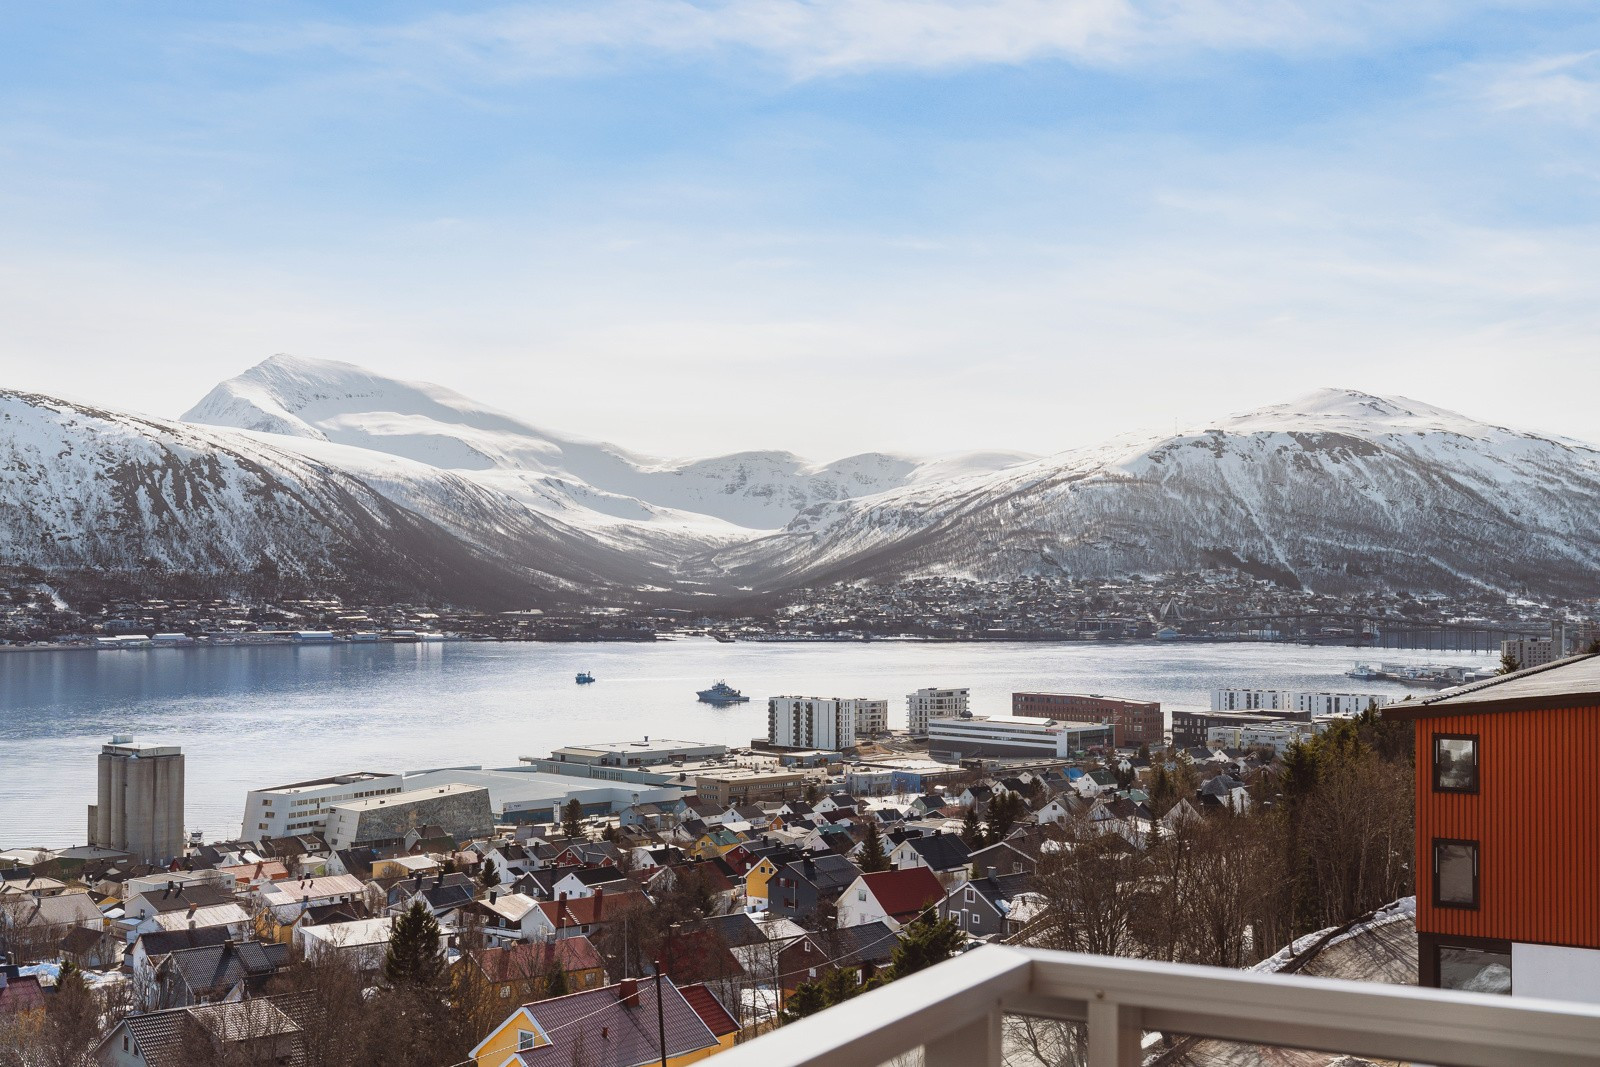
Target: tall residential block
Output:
[
  {"x": 140, "y": 800},
  {"x": 820, "y": 722},
  {"x": 927, "y": 704},
  {"x": 1531, "y": 651}
]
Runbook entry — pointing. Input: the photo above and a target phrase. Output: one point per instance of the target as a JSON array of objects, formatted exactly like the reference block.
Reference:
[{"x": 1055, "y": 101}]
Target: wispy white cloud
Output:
[
  {"x": 1563, "y": 88},
  {"x": 815, "y": 37}
]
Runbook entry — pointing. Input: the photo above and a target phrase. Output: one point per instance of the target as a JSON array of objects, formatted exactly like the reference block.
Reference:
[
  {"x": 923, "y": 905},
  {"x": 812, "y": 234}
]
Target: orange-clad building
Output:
[{"x": 1508, "y": 833}]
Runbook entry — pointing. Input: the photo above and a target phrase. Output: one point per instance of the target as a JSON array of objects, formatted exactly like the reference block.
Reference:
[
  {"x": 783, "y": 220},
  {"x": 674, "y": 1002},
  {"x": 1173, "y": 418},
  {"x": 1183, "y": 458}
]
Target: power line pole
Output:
[{"x": 661, "y": 1016}]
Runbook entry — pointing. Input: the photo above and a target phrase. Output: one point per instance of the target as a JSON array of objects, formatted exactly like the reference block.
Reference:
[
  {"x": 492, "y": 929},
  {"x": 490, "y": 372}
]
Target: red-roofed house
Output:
[
  {"x": 890, "y": 897},
  {"x": 711, "y": 1012},
  {"x": 580, "y": 916},
  {"x": 522, "y": 970}
]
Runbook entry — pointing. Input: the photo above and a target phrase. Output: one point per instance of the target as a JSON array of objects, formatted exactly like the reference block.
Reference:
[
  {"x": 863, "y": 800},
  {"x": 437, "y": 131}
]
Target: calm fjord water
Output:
[{"x": 251, "y": 716}]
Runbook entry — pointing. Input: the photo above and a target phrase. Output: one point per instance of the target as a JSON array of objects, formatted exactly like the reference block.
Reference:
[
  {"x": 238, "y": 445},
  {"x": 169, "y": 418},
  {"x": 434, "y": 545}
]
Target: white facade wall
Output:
[
  {"x": 303, "y": 808},
  {"x": 1033, "y": 735},
  {"x": 1287, "y": 700},
  {"x": 1251, "y": 699},
  {"x": 925, "y": 705},
  {"x": 1556, "y": 972},
  {"x": 811, "y": 722}
]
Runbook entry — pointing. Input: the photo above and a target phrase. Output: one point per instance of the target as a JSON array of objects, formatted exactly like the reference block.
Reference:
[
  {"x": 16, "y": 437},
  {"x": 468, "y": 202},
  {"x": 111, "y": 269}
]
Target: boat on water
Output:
[
  {"x": 722, "y": 694},
  {"x": 584, "y": 677}
]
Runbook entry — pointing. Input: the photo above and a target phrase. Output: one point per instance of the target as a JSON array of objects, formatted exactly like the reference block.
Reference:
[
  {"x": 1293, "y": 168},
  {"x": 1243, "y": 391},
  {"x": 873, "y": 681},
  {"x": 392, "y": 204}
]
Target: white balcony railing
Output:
[{"x": 955, "y": 1012}]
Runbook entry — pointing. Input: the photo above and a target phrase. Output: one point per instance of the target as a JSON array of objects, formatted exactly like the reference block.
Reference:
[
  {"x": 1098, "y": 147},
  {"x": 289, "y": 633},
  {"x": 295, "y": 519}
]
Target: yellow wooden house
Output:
[{"x": 615, "y": 1024}]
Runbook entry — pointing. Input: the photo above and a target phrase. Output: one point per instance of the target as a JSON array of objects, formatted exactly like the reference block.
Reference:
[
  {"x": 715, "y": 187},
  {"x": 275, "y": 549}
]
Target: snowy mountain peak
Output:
[
  {"x": 575, "y": 479},
  {"x": 1354, "y": 412}
]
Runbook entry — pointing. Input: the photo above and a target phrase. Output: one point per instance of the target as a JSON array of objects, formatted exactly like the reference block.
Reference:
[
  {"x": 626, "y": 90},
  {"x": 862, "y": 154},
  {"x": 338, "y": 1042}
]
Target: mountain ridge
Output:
[{"x": 1336, "y": 490}]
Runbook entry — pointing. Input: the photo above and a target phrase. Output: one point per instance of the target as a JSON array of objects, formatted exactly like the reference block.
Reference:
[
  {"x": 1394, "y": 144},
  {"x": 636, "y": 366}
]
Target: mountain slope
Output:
[
  {"x": 599, "y": 486},
  {"x": 1337, "y": 491},
  {"x": 94, "y": 492}
]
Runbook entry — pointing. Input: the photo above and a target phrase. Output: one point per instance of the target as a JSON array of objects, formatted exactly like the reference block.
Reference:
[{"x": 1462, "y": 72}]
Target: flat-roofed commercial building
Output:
[
  {"x": 462, "y": 811},
  {"x": 522, "y": 795},
  {"x": 1191, "y": 729},
  {"x": 646, "y": 753},
  {"x": 1133, "y": 722},
  {"x": 1012, "y": 735},
  {"x": 302, "y": 807},
  {"x": 743, "y": 784}
]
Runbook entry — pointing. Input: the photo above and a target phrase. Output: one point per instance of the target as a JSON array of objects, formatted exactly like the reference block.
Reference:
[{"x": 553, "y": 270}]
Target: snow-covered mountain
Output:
[
  {"x": 596, "y": 485},
  {"x": 96, "y": 493},
  {"x": 341, "y": 477},
  {"x": 1337, "y": 490}
]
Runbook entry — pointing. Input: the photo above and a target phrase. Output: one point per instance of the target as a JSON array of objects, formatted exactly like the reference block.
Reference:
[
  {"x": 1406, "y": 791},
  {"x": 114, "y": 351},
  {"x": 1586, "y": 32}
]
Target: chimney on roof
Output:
[
  {"x": 438, "y": 882},
  {"x": 494, "y": 895},
  {"x": 628, "y": 993},
  {"x": 599, "y": 901}
]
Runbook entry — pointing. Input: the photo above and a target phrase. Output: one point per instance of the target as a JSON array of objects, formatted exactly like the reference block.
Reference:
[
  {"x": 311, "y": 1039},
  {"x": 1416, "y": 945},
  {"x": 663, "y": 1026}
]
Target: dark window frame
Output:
[
  {"x": 1477, "y": 867},
  {"x": 1431, "y": 946},
  {"x": 1477, "y": 763}
]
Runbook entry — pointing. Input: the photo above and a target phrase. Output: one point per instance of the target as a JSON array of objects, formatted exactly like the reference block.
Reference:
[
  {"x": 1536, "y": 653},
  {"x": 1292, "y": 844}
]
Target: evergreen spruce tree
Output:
[
  {"x": 414, "y": 957},
  {"x": 572, "y": 818},
  {"x": 72, "y": 1019},
  {"x": 1509, "y": 664},
  {"x": 1004, "y": 810},
  {"x": 808, "y": 999},
  {"x": 873, "y": 858},
  {"x": 925, "y": 942},
  {"x": 555, "y": 979},
  {"x": 488, "y": 876},
  {"x": 971, "y": 829},
  {"x": 1163, "y": 791}
]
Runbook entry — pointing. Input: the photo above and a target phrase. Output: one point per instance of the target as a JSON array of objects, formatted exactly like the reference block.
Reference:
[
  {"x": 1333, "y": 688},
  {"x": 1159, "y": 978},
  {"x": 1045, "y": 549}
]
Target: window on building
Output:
[
  {"x": 1475, "y": 969},
  {"x": 525, "y": 1040},
  {"x": 1455, "y": 873},
  {"x": 1455, "y": 763}
]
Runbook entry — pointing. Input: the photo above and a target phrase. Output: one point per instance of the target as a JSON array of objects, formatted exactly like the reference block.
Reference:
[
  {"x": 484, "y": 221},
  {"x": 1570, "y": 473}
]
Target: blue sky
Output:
[{"x": 825, "y": 225}]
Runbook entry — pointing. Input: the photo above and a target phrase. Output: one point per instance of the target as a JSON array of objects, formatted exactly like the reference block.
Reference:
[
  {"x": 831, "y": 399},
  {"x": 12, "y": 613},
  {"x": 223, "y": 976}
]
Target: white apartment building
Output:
[
  {"x": 303, "y": 807},
  {"x": 925, "y": 705},
  {"x": 1289, "y": 700},
  {"x": 814, "y": 722}
]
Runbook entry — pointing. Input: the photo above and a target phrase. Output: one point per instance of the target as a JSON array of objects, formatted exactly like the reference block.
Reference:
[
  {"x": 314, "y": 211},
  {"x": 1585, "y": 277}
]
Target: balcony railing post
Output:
[
  {"x": 976, "y": 1044},
  {"x": 1114, "y": 1033}
]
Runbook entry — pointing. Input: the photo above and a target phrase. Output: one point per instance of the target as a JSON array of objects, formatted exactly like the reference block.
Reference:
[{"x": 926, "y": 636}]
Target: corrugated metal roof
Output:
[
  {"x": 611, "y": 1033},
  {"x": 1575, "y": 680}
]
